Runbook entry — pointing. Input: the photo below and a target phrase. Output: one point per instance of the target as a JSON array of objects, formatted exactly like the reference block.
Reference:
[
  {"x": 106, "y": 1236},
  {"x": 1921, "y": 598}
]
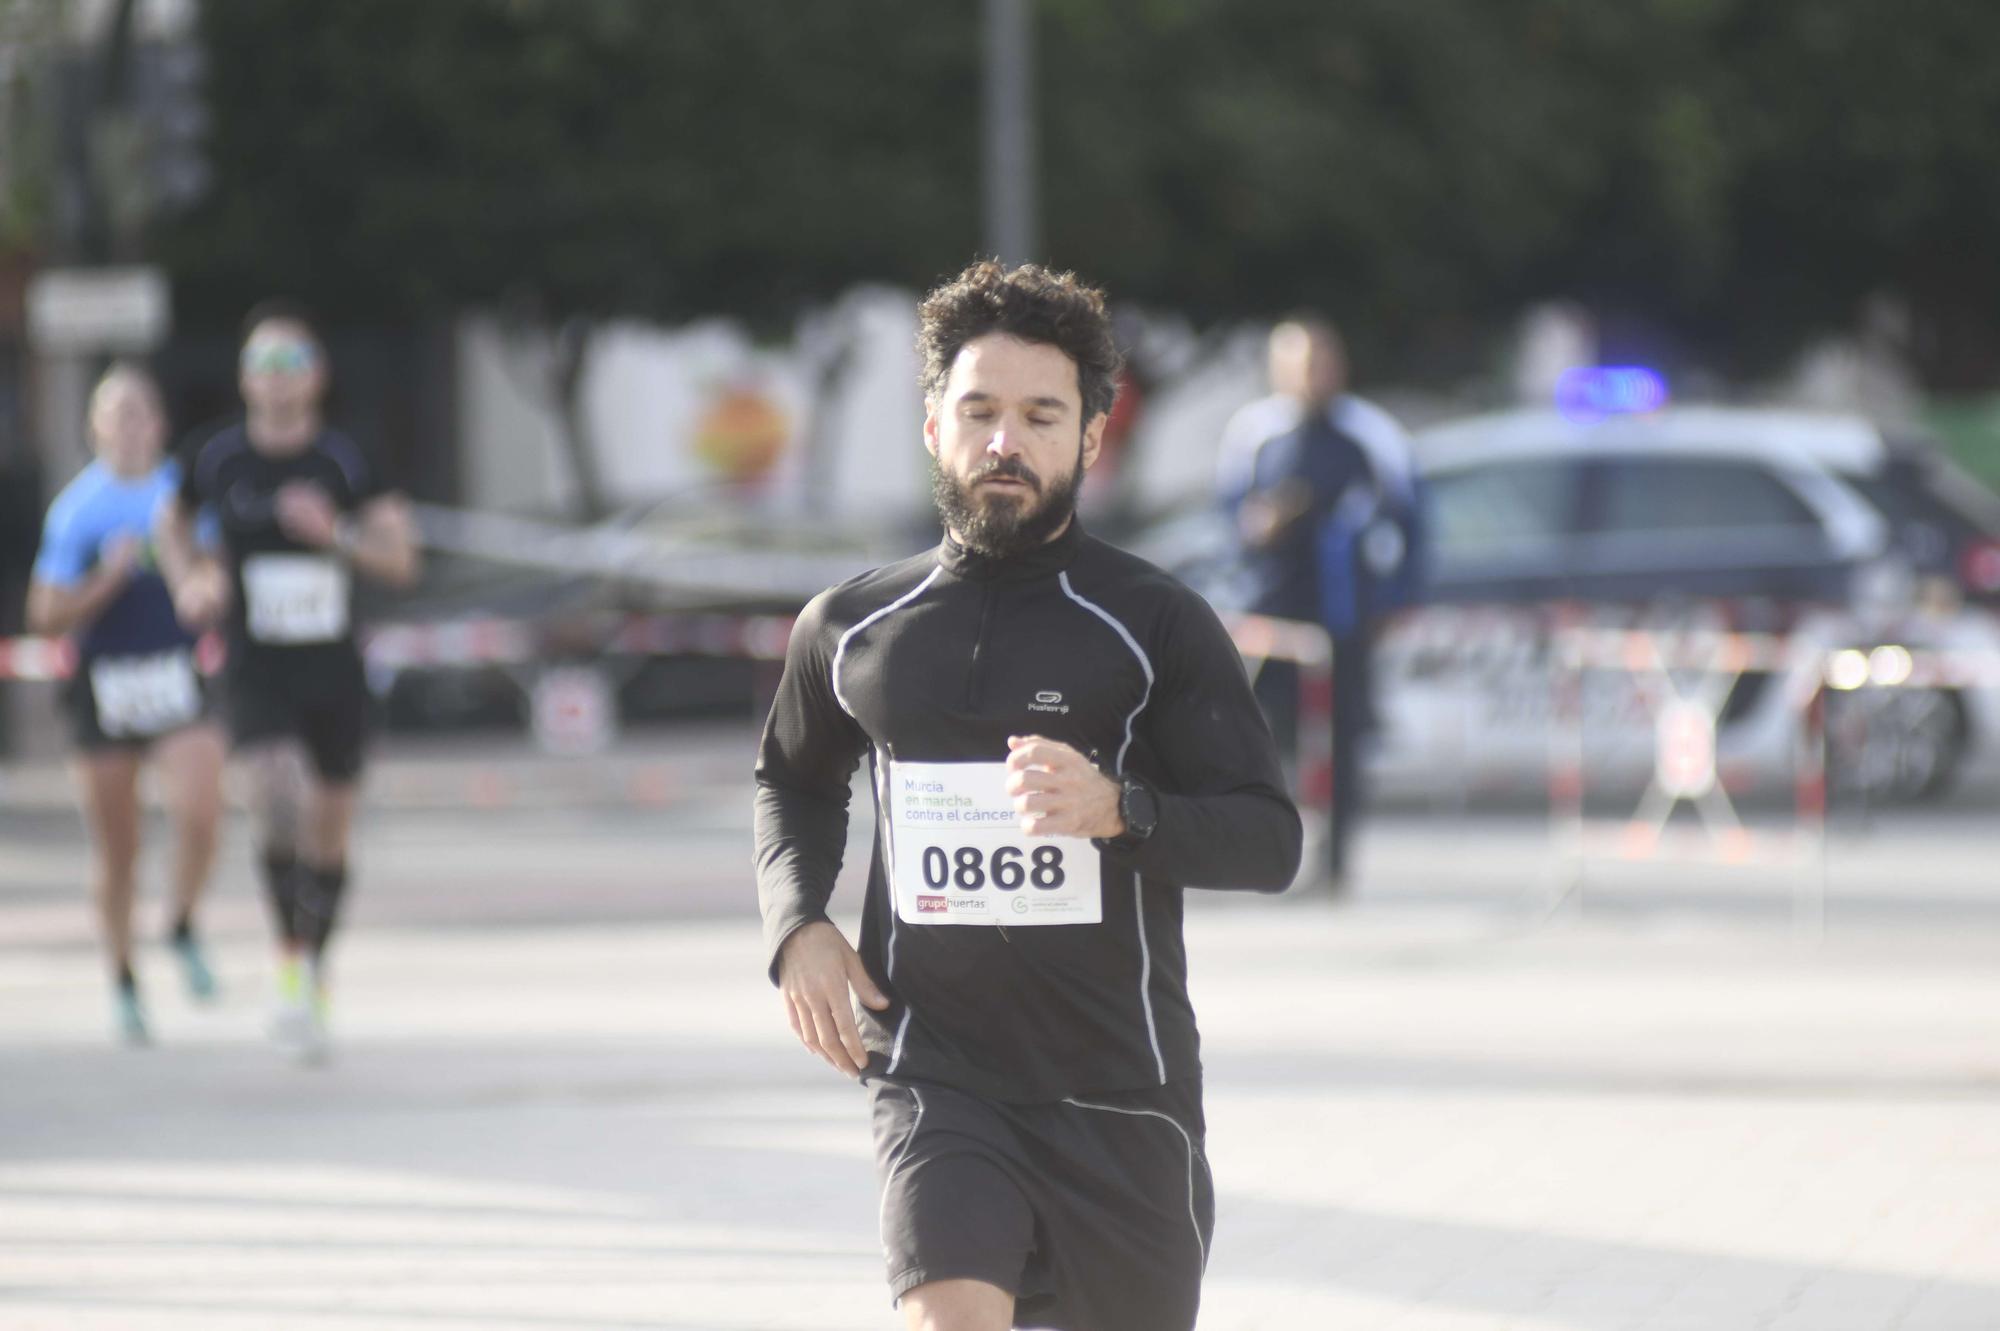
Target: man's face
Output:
[
  {"x": 282, "y": 368},
  {"x": 1010, "y": 443},
  {"x": 1308, "y": 364}
]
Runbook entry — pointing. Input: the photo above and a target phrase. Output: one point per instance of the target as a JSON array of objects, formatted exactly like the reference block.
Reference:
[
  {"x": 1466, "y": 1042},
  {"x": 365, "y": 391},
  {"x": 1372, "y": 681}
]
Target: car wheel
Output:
[{"x": 1894, "y": 746}]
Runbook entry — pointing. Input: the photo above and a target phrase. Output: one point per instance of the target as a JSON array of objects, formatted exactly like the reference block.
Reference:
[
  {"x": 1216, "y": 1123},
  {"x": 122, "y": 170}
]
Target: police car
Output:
[{"x": 1615, "y": 509}]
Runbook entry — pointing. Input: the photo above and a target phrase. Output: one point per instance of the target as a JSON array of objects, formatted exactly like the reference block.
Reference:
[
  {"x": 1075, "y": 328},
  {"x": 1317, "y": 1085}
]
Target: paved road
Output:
[{"x": 564, "y": 1097}]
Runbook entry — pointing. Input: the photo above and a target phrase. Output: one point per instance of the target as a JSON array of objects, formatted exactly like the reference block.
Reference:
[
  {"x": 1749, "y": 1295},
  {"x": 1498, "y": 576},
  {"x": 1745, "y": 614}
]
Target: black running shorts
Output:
[
  {"x": 99, "y": 730},
  {"x": 328, "y": 714},
  {"x": 1095, "y": 1212}
]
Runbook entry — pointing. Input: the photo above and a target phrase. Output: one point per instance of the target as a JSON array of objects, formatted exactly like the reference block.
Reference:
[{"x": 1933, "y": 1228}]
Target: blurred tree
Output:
[
  {"x": 1865, "y": 131},
  {"x": 28, "y": 37},
  {"x": 594, "y": 156},
  {"x": 1728, "y": 175}
]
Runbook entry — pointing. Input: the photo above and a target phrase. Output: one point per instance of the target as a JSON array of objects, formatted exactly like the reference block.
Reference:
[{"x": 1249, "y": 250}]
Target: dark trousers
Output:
[{"x": 1277, "y": 691}]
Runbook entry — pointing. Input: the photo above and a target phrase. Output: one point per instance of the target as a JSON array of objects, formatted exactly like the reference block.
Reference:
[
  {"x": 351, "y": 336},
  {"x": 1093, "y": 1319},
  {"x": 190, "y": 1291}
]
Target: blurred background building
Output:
[
  {"x": 1692, "y": 308},
  {"x": 648, "y": 268}
]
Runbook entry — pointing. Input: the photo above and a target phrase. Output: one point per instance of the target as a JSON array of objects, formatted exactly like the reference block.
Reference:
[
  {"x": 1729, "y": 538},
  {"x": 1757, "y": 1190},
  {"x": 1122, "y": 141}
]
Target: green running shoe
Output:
[
  {"x": 130, "y": 1017},
  {"x": 194, "y": 967}
]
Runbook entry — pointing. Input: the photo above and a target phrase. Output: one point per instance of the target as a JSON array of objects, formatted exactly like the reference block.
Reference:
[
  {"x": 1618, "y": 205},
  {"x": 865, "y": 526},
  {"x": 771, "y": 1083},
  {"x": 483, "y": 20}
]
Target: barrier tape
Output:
[
  {"x": 478, "y": 642},
  {"x": 483, "y": 642}
]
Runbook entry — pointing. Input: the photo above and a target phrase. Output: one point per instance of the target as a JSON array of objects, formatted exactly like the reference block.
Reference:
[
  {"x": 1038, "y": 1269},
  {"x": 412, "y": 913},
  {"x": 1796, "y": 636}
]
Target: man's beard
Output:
[{"x": 999, "y": 525}]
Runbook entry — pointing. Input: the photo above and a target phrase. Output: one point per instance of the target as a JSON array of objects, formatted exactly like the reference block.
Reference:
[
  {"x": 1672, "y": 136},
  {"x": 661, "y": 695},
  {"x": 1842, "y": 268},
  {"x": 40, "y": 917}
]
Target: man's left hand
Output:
[{"x": 1057, "y": 792}]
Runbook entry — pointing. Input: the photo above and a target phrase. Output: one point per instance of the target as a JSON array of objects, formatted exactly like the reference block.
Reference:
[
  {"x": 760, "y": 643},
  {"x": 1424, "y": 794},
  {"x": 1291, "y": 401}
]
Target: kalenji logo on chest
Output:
[{"x": 1048, "y": 700}]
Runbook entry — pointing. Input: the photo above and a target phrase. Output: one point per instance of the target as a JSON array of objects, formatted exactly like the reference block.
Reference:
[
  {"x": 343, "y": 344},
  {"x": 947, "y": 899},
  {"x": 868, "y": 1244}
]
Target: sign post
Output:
[{"x": 75, "y": 314}]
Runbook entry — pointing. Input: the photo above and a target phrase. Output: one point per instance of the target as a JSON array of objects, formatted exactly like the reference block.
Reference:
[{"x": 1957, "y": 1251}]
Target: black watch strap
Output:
[{"x": 1139, "y": 809}]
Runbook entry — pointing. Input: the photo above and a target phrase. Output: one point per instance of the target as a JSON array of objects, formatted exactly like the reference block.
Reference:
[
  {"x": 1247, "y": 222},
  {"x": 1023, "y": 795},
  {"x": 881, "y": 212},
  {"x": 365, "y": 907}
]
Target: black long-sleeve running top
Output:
[{"x": 1021, "y": 968}]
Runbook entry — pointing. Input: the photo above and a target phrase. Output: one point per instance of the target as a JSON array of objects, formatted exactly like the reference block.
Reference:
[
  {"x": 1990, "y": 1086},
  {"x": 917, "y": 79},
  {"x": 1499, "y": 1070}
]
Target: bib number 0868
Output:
[{"x": 969, "y": 869}]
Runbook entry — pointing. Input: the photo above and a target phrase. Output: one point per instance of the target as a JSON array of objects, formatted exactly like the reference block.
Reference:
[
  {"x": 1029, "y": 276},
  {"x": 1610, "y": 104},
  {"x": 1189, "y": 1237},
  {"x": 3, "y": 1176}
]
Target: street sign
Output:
[{"x": 81, "y": 311}]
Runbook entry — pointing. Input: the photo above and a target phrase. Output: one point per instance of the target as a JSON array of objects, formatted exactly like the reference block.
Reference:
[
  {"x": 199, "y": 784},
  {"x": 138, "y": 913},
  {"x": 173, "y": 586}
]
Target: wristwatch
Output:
[{"x": 1139, "y": 807}]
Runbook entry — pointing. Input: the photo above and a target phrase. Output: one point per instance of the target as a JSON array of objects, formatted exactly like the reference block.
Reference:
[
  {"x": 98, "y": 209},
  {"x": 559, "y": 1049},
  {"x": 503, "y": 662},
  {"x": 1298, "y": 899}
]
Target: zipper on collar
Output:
[{"x": 972, "y": 674}]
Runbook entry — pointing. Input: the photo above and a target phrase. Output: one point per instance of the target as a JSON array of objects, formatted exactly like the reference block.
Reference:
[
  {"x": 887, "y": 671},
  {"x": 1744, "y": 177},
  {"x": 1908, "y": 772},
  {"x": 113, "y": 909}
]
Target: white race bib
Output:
[
  {"x": 958, "y": 856},
  {"x": 295, "y": 598},
  {"x": 145, "y": 695}
]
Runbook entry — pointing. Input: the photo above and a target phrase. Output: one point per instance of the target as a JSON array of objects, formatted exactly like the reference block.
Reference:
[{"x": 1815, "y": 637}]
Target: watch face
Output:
[{"x": 1140, "y": 811}]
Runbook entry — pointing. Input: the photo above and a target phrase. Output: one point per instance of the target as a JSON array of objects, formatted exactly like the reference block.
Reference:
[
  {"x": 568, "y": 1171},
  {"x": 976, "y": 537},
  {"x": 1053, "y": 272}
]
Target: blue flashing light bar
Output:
[{"x": 1593, "y": 392}]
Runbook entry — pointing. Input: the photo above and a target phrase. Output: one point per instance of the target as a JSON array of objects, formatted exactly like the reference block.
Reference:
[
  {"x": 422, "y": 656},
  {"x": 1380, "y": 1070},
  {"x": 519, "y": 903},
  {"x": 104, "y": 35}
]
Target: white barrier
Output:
[
  {"x": 530, "y": 651},
  {"x": 1685, "y": 678}
]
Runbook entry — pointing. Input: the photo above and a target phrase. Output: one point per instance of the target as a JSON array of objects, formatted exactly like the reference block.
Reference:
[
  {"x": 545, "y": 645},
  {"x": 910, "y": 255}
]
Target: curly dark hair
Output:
[{"x": 1031, "y": 303}]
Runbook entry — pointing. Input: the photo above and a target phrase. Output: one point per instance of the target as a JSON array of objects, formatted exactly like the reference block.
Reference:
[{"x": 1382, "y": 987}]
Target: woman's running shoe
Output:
[
  {"x": 194, "y": 965},
  {"x": 129, "y": 1018}
]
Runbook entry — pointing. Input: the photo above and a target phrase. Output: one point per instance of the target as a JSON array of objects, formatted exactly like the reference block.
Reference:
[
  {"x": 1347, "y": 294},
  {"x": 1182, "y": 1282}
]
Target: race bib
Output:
[
  {"x": 958, "y": 856},
  {"x": 145, "y": 695},
  {"x": 295, "y": 598}
]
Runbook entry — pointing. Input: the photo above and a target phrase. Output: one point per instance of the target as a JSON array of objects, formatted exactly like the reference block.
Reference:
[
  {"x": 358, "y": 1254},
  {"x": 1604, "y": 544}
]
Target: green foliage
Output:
[
  {"x": 384, "y": 158},
  {"x": 27, "y": 37},
  {"x": 1728, "y": 175}
]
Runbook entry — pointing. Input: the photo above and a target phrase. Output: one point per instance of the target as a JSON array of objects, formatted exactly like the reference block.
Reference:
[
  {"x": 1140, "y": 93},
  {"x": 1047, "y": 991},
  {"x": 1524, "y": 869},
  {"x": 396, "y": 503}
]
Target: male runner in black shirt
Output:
[
  {"x": 1061, "y": 737},
  {"x": 300, "y": 509}
]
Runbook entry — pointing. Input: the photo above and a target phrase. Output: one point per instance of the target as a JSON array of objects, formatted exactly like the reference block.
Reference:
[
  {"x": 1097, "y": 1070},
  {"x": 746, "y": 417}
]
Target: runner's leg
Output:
[
  {"x": 108, "y": 780},
  {"x": 323, "y": 863},
  {"x": 278, "y": 784},
  {"x": 191, "y": 762},
  {"x": 958, "y": 1305},
  {"x": 335, "y": 734},
  {"x": 278, "y": 777}
]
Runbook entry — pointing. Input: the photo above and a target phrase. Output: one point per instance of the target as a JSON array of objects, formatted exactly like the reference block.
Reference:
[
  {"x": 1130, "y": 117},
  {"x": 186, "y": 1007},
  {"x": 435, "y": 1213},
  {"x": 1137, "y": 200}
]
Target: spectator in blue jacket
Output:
[{"x": 1324, "y": 495}]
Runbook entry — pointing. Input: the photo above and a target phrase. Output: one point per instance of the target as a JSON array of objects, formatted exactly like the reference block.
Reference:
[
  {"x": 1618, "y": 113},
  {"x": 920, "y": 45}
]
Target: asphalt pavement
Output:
[{"x": 563, "y": 1095}]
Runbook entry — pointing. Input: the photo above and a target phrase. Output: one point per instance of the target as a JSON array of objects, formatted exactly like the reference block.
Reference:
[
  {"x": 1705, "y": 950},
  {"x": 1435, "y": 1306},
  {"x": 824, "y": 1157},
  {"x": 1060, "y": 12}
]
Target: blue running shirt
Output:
[{"x": 92, "y": 512}]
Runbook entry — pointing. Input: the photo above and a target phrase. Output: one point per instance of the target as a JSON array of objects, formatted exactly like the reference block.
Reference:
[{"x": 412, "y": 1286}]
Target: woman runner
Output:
[{"x": 136, "y": 692}]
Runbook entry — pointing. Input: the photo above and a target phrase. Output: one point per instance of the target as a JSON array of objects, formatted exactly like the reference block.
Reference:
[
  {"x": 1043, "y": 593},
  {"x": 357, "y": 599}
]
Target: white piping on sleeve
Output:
[
  {"x": 1144, "y": 663},
  {"x": 1200, "y": 1244},
  {"x": 1138, "y": 885},
  {"x": 840, "y": 651},
  {"x": 881, "y": 793}
]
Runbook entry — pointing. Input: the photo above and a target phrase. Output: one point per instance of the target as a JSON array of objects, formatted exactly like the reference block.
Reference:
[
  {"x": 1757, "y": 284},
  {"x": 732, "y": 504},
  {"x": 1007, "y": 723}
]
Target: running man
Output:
[
  {"x": 300, "y": 510},
  {"x": 136, "y": 692},
  {"x": 1061, "y": 737}
]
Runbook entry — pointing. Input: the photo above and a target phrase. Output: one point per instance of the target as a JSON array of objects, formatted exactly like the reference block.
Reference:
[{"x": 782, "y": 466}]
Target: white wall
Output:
[{"x": 647, "y": 389}]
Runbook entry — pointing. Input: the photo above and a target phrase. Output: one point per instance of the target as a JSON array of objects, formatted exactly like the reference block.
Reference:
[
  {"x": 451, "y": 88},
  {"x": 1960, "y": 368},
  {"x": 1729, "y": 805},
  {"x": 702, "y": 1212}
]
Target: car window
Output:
[
  {"x": 1497, "y": 509},
  {"x": 1902, "y": 503},
  {"x": 1651, "y": 495},
  {"x": 1929, "y": 490}
]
